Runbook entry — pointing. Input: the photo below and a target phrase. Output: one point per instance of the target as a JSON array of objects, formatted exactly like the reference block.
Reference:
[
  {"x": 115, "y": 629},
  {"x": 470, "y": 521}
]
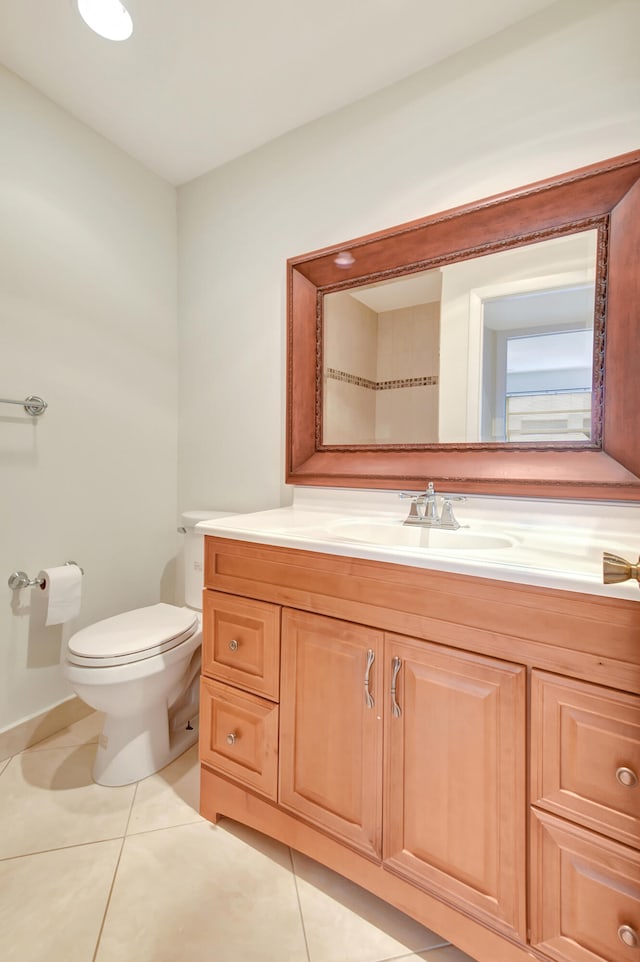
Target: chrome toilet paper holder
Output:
[{"x": 20, "y": 579}]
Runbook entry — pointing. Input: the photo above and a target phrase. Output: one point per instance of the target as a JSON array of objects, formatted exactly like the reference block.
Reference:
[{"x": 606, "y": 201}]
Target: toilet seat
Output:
[{"x": 132, "y": 636}]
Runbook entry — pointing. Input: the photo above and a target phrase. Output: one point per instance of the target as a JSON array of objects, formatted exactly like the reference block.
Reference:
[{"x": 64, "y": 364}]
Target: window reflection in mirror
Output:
[
  {"x": 537, "y": 355},
  {"x": 492, "y": 349}
]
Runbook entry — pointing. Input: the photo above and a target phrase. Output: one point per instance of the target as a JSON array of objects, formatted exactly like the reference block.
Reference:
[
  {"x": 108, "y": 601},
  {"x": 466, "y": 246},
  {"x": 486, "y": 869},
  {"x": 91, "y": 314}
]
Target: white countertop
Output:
[{"x": 552, "y": 544}]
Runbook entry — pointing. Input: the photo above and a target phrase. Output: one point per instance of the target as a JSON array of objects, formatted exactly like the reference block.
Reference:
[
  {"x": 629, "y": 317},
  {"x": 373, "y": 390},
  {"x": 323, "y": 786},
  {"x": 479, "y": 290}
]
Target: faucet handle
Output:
[
  {"x": 418, "y": 506},
  {"x": 429, "y": 492},
  {"x": 447, "y": 517}
]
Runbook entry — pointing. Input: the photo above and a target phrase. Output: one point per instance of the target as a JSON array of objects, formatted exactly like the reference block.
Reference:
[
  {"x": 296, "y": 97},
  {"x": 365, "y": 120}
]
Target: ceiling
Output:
[{"x": 204, "y": 81}]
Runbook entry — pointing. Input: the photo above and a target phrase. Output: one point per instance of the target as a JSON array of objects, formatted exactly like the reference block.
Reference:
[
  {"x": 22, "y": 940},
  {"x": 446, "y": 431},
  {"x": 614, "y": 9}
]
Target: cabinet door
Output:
[
  {"x": 331, "y": 727},
  {"x": 455, "y": 778},
  {"x": 585, "y": 902}
]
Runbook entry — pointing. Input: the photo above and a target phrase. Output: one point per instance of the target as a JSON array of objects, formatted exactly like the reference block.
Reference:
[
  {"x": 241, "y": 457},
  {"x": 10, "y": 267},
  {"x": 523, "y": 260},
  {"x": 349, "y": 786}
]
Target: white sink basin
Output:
[{"x": 412, "y": 536}]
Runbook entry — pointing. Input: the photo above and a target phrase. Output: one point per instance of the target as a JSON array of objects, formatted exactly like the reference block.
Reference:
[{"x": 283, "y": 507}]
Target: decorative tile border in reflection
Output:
[
  {"x": 337, "y": 375},
  {"x": 407, "y": 382}
]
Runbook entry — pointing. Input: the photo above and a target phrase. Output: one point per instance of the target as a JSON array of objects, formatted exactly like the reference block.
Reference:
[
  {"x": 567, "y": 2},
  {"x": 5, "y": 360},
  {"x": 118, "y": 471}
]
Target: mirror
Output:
[
  {"x": 498, "y": 348},
  {"x": 490, "y": 348}
]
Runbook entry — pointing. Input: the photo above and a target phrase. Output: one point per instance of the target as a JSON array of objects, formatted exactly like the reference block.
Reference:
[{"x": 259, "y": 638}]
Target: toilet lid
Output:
[{"x": 132, "y": 636}]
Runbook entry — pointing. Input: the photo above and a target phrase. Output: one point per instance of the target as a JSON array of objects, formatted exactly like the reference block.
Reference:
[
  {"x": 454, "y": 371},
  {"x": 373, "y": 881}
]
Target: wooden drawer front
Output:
[
  {"x": 241, "y": 643},
  {"x": 585, "y": 745},
  {"x": 588, "y": 891},
  {"x": 239, "y": 736}
]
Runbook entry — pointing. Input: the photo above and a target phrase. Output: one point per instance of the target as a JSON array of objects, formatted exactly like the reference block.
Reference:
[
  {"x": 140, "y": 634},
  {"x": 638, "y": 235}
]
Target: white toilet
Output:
[{"x": 141, "y": 669}]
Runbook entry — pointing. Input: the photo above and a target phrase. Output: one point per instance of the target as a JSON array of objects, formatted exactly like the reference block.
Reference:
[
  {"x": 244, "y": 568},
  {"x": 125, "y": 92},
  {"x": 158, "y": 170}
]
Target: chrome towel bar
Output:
[
  {"x": 20, "y": 579},
  {"x": 33, "y": 404}
]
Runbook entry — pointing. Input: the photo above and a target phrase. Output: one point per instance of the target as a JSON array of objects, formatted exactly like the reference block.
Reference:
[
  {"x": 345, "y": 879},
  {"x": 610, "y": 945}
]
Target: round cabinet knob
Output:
[
  {"x": 231, "y": 740},
  {"x": 627, "y": 777},
  {"x": 629, "y": 936},
  {"x": 233, "y": 645}
]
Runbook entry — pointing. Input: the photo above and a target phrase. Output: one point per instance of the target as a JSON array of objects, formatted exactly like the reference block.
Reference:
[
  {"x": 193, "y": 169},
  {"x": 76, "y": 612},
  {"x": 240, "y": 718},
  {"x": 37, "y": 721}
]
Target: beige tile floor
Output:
[{"x": 134, "y": 874}]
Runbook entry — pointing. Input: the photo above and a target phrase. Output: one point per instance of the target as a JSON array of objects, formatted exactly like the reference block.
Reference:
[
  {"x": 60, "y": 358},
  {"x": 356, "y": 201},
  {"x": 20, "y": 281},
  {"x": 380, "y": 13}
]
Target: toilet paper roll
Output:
[{"x": 62, "y": 589}]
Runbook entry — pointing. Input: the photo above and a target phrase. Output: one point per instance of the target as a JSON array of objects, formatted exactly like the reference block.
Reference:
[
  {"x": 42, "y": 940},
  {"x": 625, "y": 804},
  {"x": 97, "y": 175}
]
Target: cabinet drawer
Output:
[
  {"x": 239, "y": 736},
  {"x": 241, "y": 642},
  {"x": 585, "y": 754},
  {"x": 588, "y": 904}
]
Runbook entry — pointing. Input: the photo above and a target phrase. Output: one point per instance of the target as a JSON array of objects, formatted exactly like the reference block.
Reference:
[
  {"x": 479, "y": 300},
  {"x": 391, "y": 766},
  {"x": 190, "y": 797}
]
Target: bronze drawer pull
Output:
[
  {"x": 629, "y": 936},
  {"x": 627, "y": 777}
]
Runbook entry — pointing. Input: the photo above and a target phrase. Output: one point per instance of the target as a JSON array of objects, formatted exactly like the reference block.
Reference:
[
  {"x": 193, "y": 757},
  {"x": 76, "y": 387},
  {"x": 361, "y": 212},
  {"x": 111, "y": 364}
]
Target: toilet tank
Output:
[{"x": 193, "y": 554}]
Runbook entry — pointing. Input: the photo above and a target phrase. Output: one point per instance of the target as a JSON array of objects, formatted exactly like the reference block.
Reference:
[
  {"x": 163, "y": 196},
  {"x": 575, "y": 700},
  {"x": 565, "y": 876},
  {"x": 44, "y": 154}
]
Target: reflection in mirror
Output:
[{"x": 496, "y": 348}]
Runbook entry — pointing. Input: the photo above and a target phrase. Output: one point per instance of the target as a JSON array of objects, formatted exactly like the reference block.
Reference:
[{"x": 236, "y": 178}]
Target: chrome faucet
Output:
[{"x": 424, "y": 509}]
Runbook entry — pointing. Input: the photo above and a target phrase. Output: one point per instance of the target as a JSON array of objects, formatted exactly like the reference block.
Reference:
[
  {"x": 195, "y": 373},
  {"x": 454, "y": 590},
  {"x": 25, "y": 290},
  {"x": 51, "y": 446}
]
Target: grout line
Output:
[
  {"x": 41, "y": 747},
  {"x": 417, "y": 954},
  {"x": 115, "y": 875},
  {"x": 167, "y": 828},
  {"x": 295, "y": 882},
  {"x": 61, "y": 848},
  {"x": 395, "y": 958},
  {"x": 133, "y": 799}
]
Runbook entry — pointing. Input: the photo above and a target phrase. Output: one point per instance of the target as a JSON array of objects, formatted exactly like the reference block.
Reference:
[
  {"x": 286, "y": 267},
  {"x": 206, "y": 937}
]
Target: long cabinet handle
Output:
[
  {"x": 368, "y": 697},
  {"x": 396, "y": 711}
]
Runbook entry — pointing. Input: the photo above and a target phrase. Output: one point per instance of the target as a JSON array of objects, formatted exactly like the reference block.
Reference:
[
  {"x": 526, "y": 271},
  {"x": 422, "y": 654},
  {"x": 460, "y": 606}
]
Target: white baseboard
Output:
[{"x": 34, "y": 729}]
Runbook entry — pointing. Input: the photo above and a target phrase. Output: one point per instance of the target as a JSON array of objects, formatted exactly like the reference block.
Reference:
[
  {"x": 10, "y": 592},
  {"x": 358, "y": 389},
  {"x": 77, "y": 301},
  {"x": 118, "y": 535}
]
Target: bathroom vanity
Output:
[
  {"x": 464, "y": 745},
  {"x": 450, "y": 717}
]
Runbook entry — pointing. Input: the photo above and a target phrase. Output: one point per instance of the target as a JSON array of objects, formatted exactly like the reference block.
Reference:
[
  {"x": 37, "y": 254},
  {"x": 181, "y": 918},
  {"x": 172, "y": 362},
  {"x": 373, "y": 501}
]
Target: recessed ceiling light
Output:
[{"x": 109, "y": 18}]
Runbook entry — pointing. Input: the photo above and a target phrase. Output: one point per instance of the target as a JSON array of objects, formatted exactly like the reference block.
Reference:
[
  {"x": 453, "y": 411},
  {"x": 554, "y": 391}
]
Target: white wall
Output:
[
  {"x": 557, "y": 91},
  {"x": 408, "y": 347},
  {"x": 87, "y": 321},
  {"x": 88, "y": 292},
  {"x": 350, "y": 346}
]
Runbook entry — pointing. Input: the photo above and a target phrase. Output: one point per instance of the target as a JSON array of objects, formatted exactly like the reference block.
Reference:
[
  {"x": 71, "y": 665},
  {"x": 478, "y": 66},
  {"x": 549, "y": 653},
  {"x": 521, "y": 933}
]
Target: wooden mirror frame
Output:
[{"x": 605, "y": 196}]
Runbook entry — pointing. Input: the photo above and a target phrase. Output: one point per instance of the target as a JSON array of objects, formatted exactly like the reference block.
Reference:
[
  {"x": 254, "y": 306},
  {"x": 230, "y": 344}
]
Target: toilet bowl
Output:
[{"x": 141, "y": 668}]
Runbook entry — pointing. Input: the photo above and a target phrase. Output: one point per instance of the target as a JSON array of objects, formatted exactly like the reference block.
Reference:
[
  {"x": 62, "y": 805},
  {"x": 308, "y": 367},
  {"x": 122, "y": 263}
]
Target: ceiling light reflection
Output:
[{"x": 108, "y": 18}]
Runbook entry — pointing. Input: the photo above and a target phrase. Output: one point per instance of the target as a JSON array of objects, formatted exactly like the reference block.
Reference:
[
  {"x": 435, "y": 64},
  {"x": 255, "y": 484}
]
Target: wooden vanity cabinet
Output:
[{"x": 459, "y": 747}]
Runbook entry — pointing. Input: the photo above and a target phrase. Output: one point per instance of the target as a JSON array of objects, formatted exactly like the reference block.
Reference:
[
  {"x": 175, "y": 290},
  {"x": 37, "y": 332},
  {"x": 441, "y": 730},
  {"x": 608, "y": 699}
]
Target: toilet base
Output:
[{"x": 125, "y": 755}]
